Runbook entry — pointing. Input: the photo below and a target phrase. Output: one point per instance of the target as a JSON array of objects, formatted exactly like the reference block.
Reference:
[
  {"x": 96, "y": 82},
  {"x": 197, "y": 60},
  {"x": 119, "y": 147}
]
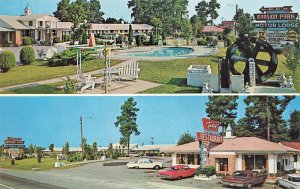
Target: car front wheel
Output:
[
  {"x": 157, "y": 167},
  {"x": 249, "y": 186}
]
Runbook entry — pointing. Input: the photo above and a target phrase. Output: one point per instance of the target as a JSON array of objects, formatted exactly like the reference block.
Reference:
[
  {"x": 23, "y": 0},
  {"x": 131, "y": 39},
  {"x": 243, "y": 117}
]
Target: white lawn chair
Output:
[
  {"x": 86, "y": 81},
  {"x": 129, "y": 70}
]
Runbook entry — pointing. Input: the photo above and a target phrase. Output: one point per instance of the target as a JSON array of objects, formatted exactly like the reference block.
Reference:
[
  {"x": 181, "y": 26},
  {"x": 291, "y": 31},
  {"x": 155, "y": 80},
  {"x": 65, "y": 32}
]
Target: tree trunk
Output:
[{"x": 128, "y": 144}]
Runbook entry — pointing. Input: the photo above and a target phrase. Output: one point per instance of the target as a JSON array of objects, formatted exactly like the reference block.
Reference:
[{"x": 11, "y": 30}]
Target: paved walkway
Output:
[{"x": 116, "y": 87}]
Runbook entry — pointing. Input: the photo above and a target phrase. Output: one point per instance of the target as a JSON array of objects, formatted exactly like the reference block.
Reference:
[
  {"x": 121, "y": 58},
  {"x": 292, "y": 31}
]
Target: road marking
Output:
[{"x": 7, "y": 186}]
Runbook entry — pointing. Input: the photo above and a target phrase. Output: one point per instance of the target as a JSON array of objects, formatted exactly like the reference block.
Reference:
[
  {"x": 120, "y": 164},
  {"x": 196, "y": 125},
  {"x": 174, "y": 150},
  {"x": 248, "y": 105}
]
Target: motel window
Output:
[
  {"x": 295, "y": 158},
  {"x": 30, "y": 23},
  {"x": 222, "y": 164},
  {"x": 40, "y": 23},
  {"x": 191, "y": 159},
  {"x": 180, "y": 159}
]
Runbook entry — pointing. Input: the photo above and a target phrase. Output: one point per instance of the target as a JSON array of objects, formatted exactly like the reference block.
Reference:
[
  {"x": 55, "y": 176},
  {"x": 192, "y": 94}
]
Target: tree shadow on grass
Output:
[
  {"x": 39, "y": 89},
  {"x": 182, "y": 83}
]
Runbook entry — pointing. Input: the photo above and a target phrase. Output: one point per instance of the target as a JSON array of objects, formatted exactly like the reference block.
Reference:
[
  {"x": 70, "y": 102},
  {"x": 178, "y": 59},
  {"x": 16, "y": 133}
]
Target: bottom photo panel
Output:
[{"x": 165, "y": 142}]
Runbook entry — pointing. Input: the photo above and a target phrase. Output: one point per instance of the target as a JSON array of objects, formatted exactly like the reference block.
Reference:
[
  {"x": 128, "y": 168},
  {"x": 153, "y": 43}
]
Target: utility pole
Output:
[
  {"x": 268, "y": 124},
  {"x": 81, "y": 135},
  {"x": 151, "y": 140}
]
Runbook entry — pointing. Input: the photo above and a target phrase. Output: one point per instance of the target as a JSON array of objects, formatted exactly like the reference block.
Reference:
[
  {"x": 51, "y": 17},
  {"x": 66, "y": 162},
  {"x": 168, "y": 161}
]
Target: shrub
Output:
[
  {"x": 115, "y": 156},
  {"x": 152, "y": 40},
  {"x": 27, "y": 55},
  {"x": 13, "y": 162},
  {"x": 220, "y": 37},
  {"x": 7, "y": 60},
  {"x": 208, "y": 171},
  {"x": 98, "y": 41},
  {"x": 56, "y": 40},
  {"x": 39, "y": 157},
  {"x": 67, "y": 38},
  {"x": 27, "y": 41},
  {"x": 65, "y": 58},
  {"x": 53, "y": 155},
  {"x": 201, "y": 42},
  {"x": 70, "y": 87},
  {"x": 209, "y": 38},
  {"x": 138, "y": 40}
]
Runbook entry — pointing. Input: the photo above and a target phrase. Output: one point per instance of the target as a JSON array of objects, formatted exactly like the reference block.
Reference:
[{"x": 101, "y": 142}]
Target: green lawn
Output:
[
  {"x": 39, "y": 71},
  {"x": 28, "y": 164},
  {"x": 172, "y": 74}
]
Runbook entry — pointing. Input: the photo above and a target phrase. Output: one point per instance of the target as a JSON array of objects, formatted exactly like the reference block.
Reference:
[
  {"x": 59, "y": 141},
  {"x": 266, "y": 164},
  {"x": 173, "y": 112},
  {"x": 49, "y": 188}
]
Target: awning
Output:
[{"x": 5, "y": 30}]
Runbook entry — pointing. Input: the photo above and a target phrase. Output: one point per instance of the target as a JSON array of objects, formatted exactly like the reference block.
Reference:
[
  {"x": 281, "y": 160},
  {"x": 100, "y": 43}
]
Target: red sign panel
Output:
[
  {"x": 210, "y": 125},
  {"x": 204, "y": 137},
  {"x": 11, "y": 140},
  {"x": 278, "y": 16}
]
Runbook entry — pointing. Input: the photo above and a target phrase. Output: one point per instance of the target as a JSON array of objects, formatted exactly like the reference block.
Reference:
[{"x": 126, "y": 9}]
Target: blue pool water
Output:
[{"x": 164, "y": 52}]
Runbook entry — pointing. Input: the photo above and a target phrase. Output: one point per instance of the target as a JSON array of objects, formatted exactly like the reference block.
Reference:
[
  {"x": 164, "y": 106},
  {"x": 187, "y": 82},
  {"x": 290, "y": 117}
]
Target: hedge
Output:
[{"x": 27, "y": 41}]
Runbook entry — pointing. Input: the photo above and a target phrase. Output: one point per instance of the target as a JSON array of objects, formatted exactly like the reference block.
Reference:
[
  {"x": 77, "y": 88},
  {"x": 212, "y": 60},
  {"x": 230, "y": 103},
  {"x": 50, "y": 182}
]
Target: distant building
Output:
[
  {"x": 58, "y": 150},
  {"x": 43, "y": 28},
  {"x": 152, "y": 150},
  {"x": 212, "y": 30},
  {"x": 228, "y": 24}
]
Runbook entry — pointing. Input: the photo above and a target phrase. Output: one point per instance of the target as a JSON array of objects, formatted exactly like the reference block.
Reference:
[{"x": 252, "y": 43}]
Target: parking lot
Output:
[{"x": 95, "y": 175}]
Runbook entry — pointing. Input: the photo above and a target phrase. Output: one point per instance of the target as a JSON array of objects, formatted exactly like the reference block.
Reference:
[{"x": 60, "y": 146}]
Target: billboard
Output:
[
  {"x": 276, "y": 16},
  {"x": 12, "y": 142}
]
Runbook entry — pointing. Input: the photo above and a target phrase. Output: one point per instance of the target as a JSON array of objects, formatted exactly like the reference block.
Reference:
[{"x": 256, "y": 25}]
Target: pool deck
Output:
[{"x": 198, "y": 52}]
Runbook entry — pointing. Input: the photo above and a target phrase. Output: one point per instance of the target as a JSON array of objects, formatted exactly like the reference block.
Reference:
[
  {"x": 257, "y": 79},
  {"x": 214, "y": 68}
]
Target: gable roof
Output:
[
  {"x": 250, "y": 144},
  {"x": 34, "y": 17},
  {"x": 11, "y": 22},
  {"x": 212, "y": 29},
  {"x": 295, "y": 145}
]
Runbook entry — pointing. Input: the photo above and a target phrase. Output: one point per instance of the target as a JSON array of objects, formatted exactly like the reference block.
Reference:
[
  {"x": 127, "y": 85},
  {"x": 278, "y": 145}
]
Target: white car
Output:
[
  {"x": 145, "y": 164},
  {"x": 291, "y": 181}
]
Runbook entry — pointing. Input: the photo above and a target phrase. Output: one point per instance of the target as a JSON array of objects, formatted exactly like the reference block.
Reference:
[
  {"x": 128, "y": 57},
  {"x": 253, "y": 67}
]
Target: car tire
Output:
[
  {"x": 179, "y": 178},
  {"x": 249, "y": 186},
  {"x": 156, "y": 167},
  {"x": 137, "y": 167}
]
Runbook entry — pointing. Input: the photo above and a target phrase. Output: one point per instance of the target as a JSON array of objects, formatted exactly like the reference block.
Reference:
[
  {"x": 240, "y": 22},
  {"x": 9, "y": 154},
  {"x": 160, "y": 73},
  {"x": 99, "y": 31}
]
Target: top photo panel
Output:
[{"x": 149, "y": 47}]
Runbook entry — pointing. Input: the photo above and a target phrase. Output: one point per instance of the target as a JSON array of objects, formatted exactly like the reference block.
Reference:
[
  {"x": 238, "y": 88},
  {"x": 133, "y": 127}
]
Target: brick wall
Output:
[
  {"x": 231, "y": 162},
  {"x": 18, "y": 38}
]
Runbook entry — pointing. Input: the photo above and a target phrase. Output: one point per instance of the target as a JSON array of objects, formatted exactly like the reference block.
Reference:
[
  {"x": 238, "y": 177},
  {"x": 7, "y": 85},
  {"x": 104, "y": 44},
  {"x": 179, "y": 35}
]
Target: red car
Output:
[
  {"x": 177, "y": 172},
  {"x": 243, "y": 179}
]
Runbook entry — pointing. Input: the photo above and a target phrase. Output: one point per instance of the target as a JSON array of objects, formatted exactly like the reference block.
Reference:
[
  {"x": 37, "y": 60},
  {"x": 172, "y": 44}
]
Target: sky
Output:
[
  {"x": 43, "y": 120},
  {"x": 118, "y": 8}
]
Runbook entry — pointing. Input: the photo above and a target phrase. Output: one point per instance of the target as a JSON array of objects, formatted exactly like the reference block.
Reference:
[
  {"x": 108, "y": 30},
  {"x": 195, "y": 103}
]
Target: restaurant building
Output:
[{"x": 239, "y": 153}]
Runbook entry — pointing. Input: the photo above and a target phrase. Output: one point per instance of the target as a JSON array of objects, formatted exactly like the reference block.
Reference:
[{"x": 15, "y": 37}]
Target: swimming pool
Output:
[{"x": 163, "y": 52}]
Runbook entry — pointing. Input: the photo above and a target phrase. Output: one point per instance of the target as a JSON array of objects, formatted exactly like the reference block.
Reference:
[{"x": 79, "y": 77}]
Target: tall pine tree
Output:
[
  {"x": 222, "y": 109},
  {"x": 294, "y": 123}
]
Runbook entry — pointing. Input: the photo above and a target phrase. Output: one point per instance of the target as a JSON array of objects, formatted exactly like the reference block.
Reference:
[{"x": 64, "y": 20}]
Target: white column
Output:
[
  {"x": 272, "y": 161},
  {"x": 239, "y": 162},
  {"x": 174, "y": 155}
]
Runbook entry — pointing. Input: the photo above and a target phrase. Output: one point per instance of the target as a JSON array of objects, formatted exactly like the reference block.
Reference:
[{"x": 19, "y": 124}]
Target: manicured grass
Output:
[
  {"x": 39, "y": 71},
  {"x": 52, "y": 88},
  {"x": 172, "y": 74},
  {"x": 31, "y": 163}
]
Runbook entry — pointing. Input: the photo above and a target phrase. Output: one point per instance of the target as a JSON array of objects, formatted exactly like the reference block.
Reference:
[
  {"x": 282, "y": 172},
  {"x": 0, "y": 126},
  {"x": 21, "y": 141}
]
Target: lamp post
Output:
[{"x": 81, "y": 135}]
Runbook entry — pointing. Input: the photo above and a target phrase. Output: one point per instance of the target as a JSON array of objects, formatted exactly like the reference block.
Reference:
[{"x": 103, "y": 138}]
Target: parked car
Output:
[
  {"x": 177, "y": 172},
  {"x": 290, "y": 181},
  {"x": 244, "y": 179},
  {"x": 145, "y": 164}
]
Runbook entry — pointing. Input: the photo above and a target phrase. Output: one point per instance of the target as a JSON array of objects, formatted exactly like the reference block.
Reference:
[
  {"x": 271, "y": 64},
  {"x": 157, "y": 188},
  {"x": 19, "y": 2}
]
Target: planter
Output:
[{"x": 204, "y": 177}]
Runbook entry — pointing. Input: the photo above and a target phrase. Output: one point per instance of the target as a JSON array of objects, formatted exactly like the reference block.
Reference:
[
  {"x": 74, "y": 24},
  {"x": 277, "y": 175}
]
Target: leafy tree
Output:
[
  {"x": 186, "y": 138},
  {"x": 51, "y": 147},
  {"x": 292, "y": 55},
  {"x": 62, "y": 11},
  {"x": 94, "y": 13},
  {"x": 187, "y": 30},
  {"x": 196, "y": 25},
  {"x": 111, "y": 20},
  {"x": 30, "y": 149},
  {"x": 76, "y": 15},
  {"x": 213, "y": 5},
  {"x": 294, "y": 123},
  {"x": 137, "y": 10},
  {"x": 110, "y": 150},
  {"x": 138, "y": 40},
  {"x": 95, "y": 149},
  {"x": 244, "y": 23},
  {"x": 227, "y": 31},
  {"x": 201, "y": 9},
  {"x": 127, "y": 122},
  {"x": 130, "y": 35},
  {"x": 264, "y": 114},
  {"x": 66, "y": 148},
  {"x": 222, "y": 109}
]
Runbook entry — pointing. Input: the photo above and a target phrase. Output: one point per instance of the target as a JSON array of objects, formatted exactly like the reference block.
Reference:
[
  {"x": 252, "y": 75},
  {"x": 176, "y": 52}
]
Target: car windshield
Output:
[
  {"x": 173, "y": 169},
  {"x": 295, "y": 179},
  {"x": 239, "y": 174}
]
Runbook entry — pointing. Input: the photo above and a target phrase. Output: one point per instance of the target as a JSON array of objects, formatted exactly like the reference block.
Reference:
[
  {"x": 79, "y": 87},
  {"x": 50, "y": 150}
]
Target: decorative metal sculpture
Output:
[{"x": 246, "y": 48}]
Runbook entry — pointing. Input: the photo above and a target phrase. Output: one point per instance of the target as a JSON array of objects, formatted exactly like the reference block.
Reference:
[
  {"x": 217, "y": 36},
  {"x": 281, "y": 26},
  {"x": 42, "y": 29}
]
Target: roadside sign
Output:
[
  {"x": 285, "y": 8},
  {"x": 204, "y": 137},
  {"x": 210, "y": 126},
  {"x": 276, "y": 16},
  {"x": 275, "y": 25}
]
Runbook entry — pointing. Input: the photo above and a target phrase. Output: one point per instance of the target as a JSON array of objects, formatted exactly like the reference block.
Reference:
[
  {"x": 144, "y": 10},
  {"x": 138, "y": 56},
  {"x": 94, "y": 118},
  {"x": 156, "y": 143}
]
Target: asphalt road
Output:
[{"x": 12, "y": 182}]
